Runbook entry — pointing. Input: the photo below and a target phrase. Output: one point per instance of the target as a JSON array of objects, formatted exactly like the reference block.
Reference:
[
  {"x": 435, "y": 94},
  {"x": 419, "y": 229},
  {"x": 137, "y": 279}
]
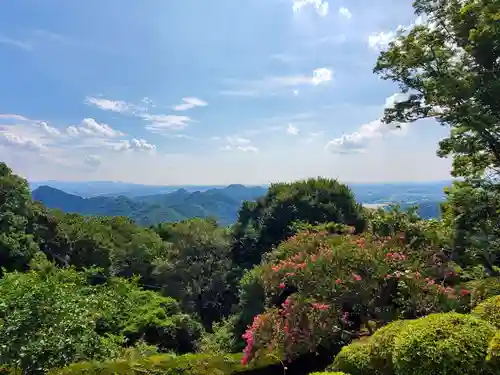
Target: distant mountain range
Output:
[
  {"x": 221, "y": 203},
  {"x": 149, "y": 205}
]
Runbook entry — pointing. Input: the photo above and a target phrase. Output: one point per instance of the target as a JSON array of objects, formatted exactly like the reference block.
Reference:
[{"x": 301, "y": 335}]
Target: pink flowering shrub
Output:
[{"x": 340, "y": 286}]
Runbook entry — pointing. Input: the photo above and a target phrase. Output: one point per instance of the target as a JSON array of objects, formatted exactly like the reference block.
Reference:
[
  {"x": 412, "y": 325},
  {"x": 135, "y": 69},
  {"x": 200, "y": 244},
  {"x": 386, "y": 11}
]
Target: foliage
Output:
[
  {"x": 447, "y": 68},
  {"x": 322, "y": 289},
  {"x": 264, "y": 224},
  {"x": 197, "y": 268},
  {"x": 17, "y": 245},
  {"x": 189, "y": 364},
  {"x": 489, "y": 310},
  {"x": 329, "y": 373},
  {"x": 472, "y": 214},
  {"x": 382, "y": 345},
  {"x": 354, "y": 359},
  {"x": 442, "y": 343},
  {"x": 48, "y": 320},
  {"x": 482, "y": 289},
  {"x": 493, "y": 357},
  {"x": 51, "y": 317}
]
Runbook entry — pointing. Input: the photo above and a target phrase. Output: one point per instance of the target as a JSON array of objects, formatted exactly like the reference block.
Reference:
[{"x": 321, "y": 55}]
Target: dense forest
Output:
[{"x": 306, "y": 280}]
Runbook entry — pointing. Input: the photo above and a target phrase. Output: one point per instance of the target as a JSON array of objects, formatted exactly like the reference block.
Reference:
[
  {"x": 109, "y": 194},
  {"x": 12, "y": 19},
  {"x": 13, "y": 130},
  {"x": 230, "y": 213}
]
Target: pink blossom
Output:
[
  {"x": 282, "y": 285},
  {"x": 356, "y": 277},
  {"x": 338, "y": 281}
]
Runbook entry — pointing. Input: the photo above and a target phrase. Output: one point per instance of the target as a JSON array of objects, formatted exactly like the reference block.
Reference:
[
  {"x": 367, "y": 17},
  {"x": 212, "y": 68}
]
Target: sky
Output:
[{"x": 205, "y": 92}]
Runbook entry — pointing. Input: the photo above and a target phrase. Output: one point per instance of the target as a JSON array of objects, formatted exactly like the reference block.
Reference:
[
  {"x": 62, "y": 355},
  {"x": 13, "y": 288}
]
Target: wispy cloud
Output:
[
  {"x": 18, "y": 142},
  {"x": 133, "y": 145},
  {"x": 293, "y": 130},
  {"x": 190, "y": 102},
  {"x": 109, "y": 105},
  {"x": 12, "y": 117},
  {"x": 24, "y": 45},
  {"x": 90, "y": 127},
  {"x": 161, "y": 123},
  {"x": 49, "y": 129},
  {"x": 358, "y": 141},
  {"x": 93, "y": 161},
  {"x": 237, "y": 143},
  {"x": 344, "y": 12},
  {"x": 380, "y": 40},
  {"x": 273, "y": 85},
  {"x": 320, "y": 6}
]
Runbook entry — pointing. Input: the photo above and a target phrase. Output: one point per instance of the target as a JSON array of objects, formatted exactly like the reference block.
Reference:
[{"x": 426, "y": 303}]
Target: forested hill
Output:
[{"x": 220, "y": 203}]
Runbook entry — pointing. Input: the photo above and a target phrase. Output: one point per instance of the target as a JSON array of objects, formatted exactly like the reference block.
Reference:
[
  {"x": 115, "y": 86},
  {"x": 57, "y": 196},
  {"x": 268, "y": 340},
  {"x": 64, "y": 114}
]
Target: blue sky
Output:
[{"x": 205, "y": 91}]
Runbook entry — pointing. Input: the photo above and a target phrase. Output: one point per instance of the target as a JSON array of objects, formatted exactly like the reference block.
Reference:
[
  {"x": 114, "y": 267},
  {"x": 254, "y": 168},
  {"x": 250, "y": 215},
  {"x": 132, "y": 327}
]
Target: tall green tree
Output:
[
  {"x": 448, "y": 67},
  {"x": 197, "y": 268},
  {"x": 264, "y": 224},
  {"x": 17, "y": 246}
]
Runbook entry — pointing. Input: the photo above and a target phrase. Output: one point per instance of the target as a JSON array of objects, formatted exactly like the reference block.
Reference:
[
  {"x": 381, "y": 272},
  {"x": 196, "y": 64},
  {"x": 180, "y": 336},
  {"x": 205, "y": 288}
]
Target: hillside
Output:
[{"x": 223, "y": 204}]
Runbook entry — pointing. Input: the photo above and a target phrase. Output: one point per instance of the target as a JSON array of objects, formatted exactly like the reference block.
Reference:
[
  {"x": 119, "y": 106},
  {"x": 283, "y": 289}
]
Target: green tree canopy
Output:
[
  {"x": 196, "y": 269},
  {"x": 448, "y": 68},
  {"x": 264, "y": 224}
]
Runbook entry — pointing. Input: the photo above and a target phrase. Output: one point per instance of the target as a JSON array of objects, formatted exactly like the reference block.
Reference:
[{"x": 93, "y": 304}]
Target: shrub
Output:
[
  {"x": 321, "y": 288},
  {"x": 449, "y": 343},
  {"x": 483, "y": 289},
  {"x": 489, "y": 310},
  {"x": 329, "y": 373},
  {"x": 354, "y": 359},
  {"x": 165, "y": 364},
  {"x": 493, "y": 357},
  {"x": 382, "y": 345}
]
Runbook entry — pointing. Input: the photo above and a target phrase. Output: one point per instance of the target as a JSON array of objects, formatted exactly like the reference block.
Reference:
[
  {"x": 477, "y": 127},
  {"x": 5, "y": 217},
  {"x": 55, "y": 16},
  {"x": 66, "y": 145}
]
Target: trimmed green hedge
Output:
[
  {"x": 166, "y": 364},
  {"x": 329, "y": 373},
  {"x": 493, "y": 357},
  {"x": 354, "y": 359},
  {"x": 382, "y": 346},
  {"x": 449, "y": 343},
  {"x": 489, "y": 310}
]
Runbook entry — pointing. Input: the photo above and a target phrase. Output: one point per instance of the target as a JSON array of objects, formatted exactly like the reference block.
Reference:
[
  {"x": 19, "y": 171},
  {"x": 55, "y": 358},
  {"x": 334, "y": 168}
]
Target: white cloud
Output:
[
  {"x": 133, "y": 145},
  {"x": 273, "y": 85},
  {"x": 321, "y": 75},
  {"x": 381, "y": 40},
  {"x": 13, "y": 117},
  {"x": 49, "y": 129},
  {"x": 292, "y": 129},
  {"x": 248, "y": 149},
  {"x": 296, "y": 92},
  {"x": 189, "y": 103},
  {"x": 358, "y": 141},
  {"x": 93, "y": 161},
  {"x": 396, "y": 98},
  {"x": 16, "y": 43},
  {"x": 19, "y": 142},
  {"x": 109, "y": 105},
  {"x": 344, "y": 12},
  {"x": 237, "y": 143},
  {"x": 91, "y": 127},
  {"x": 321, "y": 6},
  {"x": 160, "y": 123}
]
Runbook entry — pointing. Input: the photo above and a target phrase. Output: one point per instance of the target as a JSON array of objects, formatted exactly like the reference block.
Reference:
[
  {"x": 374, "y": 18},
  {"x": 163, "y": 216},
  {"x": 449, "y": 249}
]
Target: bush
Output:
[
  {"x": 329, "y": 373},
  {"x": 493, "y": 357},
  {"x": 489, "y": 310},
  {"x": 354, "y": 359},
  {"x": 449, "y": 343},
  {"x": 382, "y": 345},
  {"x": 166, "y": 364},
  {"x": 483, "y": 289}
]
